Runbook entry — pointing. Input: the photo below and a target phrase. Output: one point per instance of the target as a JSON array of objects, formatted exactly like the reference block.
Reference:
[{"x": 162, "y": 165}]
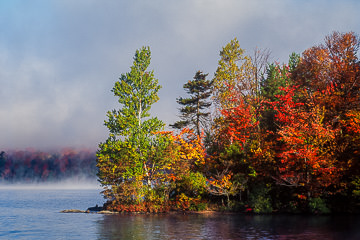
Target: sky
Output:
[{"x": 59, "y": 59}]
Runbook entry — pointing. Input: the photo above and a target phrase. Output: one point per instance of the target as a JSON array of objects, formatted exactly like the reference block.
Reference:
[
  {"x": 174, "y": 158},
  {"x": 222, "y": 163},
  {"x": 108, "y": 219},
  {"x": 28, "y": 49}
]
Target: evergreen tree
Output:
[
  {"x": 123, "y": 160},
  {"x": 192, "y": 114},
  {"x": 277, "y": 77}
]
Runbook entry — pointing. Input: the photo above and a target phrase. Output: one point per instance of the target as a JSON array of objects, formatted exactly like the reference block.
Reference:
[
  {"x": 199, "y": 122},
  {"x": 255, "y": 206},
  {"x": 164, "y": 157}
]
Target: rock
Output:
[
  {"x": 72, "y": 211},
  {"x": 106, "y": 212},
  {"x": 94, "y": 209}
]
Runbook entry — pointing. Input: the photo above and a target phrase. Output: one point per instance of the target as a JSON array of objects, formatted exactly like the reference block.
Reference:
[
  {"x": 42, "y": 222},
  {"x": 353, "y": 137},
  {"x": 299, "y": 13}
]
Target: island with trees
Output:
[{"x": 259, "y": 137}]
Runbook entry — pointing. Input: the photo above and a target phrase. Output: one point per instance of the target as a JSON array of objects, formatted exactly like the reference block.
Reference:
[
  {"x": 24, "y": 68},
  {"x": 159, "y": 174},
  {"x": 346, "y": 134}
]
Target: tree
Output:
[
  {"x": 237, "y": 130},
  {"x": 185, "y": 170},
  {"x": 239, "y": 75},
  {"x": 232, "y": 75},
  {"x": 334, "y": 65},
  {"x": 330, "y": 72},
  {"x": 192, "y": 112},
  {"x": 306, "y": 158},
  {"x": 127, "y": 159},
  {"x": 278, "y": 76}
]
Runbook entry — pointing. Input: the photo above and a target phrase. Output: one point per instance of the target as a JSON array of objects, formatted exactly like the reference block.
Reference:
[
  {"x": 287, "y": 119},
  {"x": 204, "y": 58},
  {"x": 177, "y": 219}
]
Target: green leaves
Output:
[
  {"x": 124, "y": 158},
  {"x": 137, "y": 91},
  {"x": 200, "y": 90}
]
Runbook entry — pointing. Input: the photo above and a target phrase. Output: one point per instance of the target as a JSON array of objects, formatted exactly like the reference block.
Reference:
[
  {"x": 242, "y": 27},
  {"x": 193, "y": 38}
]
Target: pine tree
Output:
[{"x": 192, "y": 114}]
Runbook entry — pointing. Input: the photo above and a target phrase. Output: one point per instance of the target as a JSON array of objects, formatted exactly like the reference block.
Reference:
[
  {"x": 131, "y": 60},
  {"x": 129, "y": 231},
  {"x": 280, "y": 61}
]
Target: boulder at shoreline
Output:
[
  {"x": 72, "y": 211},
  {"x": 95, "y": 209}
]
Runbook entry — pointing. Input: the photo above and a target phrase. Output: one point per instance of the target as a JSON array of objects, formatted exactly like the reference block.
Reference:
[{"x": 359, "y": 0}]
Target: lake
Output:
[{"x": 34, "y": 213}]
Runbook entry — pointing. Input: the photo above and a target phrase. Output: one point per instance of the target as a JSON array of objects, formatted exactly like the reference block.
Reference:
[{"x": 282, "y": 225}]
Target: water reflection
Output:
[{"x": 227, "y": 226}]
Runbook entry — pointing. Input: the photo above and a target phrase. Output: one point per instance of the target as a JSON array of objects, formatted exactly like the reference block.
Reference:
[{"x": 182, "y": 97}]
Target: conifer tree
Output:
[{"x": 192, "y": 110}]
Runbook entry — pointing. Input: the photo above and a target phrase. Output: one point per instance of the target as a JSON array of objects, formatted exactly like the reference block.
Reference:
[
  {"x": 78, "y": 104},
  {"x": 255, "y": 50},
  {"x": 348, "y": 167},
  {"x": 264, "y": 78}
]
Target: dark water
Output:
[{"x": 35, "y": 214}]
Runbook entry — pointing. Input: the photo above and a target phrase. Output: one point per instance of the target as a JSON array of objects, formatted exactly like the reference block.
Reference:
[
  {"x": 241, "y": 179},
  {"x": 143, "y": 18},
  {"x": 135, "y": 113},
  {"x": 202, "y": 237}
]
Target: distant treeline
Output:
[{"x": 37, "y": 166}]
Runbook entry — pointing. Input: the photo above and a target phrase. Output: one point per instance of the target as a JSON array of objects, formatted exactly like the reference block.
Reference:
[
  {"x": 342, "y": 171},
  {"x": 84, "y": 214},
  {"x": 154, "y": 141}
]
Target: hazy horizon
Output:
[{"x": 65, "y": 184}]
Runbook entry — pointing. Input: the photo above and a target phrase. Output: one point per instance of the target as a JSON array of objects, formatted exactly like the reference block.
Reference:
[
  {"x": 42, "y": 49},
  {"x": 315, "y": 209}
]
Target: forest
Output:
[
  {"x": 259, "y": 136},
  {"x": 31, "y": 166}
]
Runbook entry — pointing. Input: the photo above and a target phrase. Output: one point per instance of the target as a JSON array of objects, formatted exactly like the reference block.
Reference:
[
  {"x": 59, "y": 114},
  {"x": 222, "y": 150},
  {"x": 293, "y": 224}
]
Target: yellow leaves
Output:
[
  {"x": 235, "y": 76},
  {"x": 256, "y": 151},
  {"x": 114, "y": 168},
  {"x": 190, "y": 147}
]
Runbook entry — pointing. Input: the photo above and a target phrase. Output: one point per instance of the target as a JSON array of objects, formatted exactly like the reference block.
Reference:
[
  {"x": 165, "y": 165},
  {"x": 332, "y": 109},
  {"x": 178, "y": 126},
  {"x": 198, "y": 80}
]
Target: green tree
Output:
[
  {"x": 127, "y": 159},
  {"x": 228, "y": 79},
  {"x": 277, "y": 77},
  {"x": 192, "y": 113}
]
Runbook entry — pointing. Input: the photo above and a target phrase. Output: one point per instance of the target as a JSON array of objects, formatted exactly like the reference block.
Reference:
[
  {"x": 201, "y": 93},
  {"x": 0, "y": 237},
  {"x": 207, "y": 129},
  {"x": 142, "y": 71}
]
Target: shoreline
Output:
[{"x": 204, "y": 212}]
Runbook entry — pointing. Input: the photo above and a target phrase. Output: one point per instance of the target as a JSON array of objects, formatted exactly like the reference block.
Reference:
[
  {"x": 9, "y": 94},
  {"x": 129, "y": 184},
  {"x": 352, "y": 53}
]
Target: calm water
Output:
[{"x": 35, "y": 214}]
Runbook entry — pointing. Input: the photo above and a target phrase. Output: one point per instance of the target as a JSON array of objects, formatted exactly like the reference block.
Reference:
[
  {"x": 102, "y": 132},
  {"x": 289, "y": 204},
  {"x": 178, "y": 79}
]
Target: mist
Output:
[{"x": 75, "y": 183}]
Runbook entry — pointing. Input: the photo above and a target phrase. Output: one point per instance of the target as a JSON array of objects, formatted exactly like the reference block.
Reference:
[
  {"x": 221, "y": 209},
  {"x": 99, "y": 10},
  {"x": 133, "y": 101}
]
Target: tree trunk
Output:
[{"x": 198, "y": 117}]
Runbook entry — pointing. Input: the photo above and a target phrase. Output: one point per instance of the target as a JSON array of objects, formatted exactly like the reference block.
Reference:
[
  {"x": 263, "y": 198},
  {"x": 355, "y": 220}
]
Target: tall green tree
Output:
[
  {"x": 229, "y": 77},
  {"x": 193, "y": 113},
  {"x": 126, "y": 160}
]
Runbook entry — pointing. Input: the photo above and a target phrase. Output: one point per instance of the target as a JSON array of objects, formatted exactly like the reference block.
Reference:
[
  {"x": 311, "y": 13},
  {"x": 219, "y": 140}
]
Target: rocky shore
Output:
[
  {"x": 96, "y": 209},
  {"x": 99, "y": 210}
]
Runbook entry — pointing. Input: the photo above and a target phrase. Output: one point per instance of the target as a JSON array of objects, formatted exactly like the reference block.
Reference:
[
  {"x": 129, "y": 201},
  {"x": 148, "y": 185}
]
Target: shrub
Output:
[
  {"x": 318, "y": 205},
  {"x": 260, "y": 200}
]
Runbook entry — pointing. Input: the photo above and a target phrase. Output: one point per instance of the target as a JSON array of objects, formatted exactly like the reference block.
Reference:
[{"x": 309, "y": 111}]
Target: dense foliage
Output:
[{"x": 283, "y": 137}]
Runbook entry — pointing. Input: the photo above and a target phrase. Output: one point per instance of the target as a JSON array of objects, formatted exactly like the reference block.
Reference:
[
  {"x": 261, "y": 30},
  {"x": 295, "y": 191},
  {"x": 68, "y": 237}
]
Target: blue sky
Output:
[{"x": 59, "y": 59}]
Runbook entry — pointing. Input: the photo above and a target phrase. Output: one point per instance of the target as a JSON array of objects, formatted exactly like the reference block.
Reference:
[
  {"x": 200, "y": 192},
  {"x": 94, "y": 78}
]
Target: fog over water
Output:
[{"x": 67, "y": 184}]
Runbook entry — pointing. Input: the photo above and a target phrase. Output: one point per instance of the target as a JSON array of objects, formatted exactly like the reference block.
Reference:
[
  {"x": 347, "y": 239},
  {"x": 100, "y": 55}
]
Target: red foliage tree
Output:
[{"x": 306, "y": 156}]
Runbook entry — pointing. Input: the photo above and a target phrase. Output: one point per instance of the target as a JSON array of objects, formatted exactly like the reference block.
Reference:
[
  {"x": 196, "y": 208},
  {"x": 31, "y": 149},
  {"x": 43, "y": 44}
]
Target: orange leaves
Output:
[
  {"x": 222, "y": 183},
  {"x": 186, "y": 151},
  {"x": 333, "y": 70},
  {"x": 306, "y": 157},
  {"x": 352, "y": 123},
  {"x": 240, "y": 122},
  {"x": 286, "y": 105},
  {"x": 190, "y": 146}
]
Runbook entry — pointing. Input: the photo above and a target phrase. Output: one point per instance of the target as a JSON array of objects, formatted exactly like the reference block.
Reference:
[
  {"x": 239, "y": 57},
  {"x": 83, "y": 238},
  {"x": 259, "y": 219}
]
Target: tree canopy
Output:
[{"x": 282, "y": 137}]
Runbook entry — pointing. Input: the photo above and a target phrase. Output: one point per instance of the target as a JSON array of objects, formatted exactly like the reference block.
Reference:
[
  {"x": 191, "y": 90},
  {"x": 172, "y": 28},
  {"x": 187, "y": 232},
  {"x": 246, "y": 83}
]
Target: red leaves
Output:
[
  {"x": 333, "y": 70},
  {"x": 305, "y": 158},
  {"x": 286, "y": 105},
  {"x": 240, "y": 122}
]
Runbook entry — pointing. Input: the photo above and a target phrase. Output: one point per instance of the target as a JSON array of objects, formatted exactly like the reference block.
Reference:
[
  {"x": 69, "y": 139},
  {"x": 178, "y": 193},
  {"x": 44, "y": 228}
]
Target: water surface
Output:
[{"x": 35, "y": 214}]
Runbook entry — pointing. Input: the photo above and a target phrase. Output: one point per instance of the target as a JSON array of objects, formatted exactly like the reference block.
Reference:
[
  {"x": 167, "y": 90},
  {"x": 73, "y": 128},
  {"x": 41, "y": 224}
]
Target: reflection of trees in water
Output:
[
  {"x": 227, "y": 226},
  {"x": 37, "y": 166},
  {"x": 175, "y": 226}
]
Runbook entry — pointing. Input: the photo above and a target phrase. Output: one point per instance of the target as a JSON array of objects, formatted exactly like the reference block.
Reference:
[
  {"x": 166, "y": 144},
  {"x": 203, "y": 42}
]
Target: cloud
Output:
[{"x": 60, "y": 59}]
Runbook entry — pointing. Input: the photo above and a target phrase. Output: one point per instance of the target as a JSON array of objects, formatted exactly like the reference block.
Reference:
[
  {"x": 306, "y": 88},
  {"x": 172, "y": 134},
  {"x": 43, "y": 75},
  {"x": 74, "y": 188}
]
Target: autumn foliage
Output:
[
  {"x": 297, "y": 139},
  {"x": 281, "y": 137}
]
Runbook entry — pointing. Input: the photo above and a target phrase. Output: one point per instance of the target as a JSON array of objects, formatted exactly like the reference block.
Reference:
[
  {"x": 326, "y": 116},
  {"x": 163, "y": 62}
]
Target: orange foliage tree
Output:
[
  {"x": 330, "y": 73},
  {"x": 306, "y": 158}
]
